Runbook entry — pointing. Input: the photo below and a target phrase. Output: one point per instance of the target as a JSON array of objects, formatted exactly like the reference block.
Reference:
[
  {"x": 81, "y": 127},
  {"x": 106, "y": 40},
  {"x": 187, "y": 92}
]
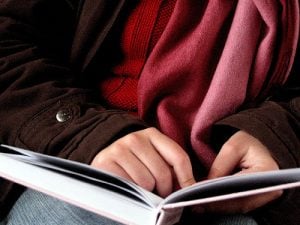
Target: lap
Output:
[
  {"x": 34, "y": 208},
  {"x": 238, "y": 219}
]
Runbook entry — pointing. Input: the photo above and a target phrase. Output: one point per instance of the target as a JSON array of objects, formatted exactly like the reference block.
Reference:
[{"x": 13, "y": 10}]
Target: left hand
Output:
[{"x": 242, "y": 153}]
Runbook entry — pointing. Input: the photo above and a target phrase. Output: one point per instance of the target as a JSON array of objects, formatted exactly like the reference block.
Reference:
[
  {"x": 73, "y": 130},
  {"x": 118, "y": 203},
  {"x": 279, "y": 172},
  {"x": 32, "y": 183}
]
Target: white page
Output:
[
  {"x": 230, "y": 196},
  {"x": 233, "y": 187},
  {"x": 84, "y": 195},
  {"x": 84, "y": 171}
]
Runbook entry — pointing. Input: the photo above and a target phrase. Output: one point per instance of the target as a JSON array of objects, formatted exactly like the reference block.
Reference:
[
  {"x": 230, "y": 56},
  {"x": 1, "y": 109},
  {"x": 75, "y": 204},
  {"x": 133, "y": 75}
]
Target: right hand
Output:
[{"x": 150, "y": 159}]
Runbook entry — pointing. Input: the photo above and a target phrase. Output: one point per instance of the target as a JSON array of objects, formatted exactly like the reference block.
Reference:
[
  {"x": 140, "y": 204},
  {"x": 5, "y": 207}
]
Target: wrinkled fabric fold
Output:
[{"x": 212, "y": 58}]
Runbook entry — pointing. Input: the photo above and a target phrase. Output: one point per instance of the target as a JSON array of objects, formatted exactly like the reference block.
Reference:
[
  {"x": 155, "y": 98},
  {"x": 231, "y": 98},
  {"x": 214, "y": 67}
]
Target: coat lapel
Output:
[{"x": 95, "y": 21}]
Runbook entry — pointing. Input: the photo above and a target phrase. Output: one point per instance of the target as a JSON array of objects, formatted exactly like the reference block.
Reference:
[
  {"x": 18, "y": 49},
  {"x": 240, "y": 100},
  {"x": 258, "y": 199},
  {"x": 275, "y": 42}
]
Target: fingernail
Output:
[{"x": 188, "y": 182}]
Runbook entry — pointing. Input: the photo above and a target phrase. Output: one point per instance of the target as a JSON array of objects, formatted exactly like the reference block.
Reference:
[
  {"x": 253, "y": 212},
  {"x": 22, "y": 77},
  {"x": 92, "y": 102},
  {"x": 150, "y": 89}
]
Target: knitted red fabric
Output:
[{"x": 142, "y": 30}]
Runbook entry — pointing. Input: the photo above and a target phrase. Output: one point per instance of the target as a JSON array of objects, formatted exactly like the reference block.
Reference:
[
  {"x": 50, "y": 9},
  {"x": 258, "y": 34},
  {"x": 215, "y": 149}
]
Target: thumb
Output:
[{"x": 224, "y": 164}]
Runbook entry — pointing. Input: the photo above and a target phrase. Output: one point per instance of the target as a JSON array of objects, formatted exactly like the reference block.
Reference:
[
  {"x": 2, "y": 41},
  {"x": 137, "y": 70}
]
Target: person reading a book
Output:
[{"x": 164, "y": 93}]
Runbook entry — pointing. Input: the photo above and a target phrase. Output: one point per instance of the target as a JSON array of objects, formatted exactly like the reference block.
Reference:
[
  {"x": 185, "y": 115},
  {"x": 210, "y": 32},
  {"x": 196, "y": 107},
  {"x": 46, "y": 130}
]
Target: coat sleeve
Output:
[
  {"x": 43, "y": 108},
  {"x": 276, "y": 123}
]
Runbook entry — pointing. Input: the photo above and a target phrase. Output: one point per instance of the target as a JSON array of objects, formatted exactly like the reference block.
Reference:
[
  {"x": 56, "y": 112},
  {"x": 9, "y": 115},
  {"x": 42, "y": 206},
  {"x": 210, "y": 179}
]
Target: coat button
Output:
[{"x": 63, "y": 115}]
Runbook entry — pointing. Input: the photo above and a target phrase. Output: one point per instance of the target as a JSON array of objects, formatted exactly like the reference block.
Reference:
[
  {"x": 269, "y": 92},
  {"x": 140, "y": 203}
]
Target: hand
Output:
[
  {"x": 148, "y": 158},
  {"x": 242, "y": 153}
]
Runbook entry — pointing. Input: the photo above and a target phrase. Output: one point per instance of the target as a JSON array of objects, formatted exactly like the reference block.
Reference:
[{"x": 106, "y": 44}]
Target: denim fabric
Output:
[
  {"x": 233, "y": 220},
  {"x": 34, "y": 208}
]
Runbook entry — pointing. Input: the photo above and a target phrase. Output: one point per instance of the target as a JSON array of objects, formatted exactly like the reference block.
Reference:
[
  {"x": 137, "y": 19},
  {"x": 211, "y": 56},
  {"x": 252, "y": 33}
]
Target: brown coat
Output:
[{"x": 47, "y": 48}]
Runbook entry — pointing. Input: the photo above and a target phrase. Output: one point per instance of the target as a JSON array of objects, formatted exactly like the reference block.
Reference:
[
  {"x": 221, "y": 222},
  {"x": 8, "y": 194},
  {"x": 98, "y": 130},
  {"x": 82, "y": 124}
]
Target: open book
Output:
[{"x": 114, "y": 197}]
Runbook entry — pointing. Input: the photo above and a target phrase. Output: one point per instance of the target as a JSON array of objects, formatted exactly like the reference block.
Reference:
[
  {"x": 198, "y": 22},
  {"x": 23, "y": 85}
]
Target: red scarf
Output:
[{"x": 212, "y": 57}]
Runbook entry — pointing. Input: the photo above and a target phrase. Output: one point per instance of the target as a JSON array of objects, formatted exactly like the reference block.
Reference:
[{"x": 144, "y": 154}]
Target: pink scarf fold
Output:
[{"x": 213, "y": 56}]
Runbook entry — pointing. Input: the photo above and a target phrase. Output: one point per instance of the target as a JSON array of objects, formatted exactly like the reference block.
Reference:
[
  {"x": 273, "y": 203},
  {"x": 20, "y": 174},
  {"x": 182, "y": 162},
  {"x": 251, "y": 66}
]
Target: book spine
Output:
[{"x": 169, "y": 216}]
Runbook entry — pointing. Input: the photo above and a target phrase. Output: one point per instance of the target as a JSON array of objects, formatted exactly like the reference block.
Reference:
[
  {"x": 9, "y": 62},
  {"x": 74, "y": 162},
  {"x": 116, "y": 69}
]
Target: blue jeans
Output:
[{"x": 34, "y": 208}]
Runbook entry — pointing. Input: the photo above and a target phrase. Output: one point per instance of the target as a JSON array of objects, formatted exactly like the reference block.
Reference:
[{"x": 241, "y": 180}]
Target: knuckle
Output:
[
  {"x": 164, "y": 175},
  {"x": 100, "y": 162},
  {"x": 148, "y": 184},
  {"x": 229, "y": 148},
  {"x": 151, "y": 130},
  {"x": 182, "y": 159},
  {"x": 133, "y": 139},
  {"x": 117, "y": 148}
]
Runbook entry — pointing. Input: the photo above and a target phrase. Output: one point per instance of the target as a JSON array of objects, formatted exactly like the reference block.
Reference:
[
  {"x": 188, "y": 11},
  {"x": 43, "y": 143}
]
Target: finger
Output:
[
  {"x": 227, "y": 160},
  {"x": 119, "y": 160},
  {"x": 224, "y": 164},
  {"x": 157, "y": 166},
  {"x": 133, "y": 166},
  {"x": 254, "y": 169},
  {"x": 110, "y": 167},
  {"x": 175, "y": 156}
]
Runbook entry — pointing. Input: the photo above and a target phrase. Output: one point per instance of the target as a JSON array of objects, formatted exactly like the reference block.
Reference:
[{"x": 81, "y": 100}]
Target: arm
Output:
[
  {"x": 275, "y": 124},
  {"x": 36, "y": 83},
  {"x": 48, "y": 111}
]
